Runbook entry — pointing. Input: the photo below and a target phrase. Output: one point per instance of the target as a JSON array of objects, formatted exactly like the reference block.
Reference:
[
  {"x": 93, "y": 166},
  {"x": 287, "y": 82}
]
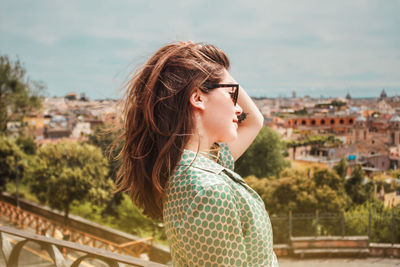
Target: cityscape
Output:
[
  {"x": 356, "y": 138},
  {"x": 368, "y": 128},
  {"x": 324, "y": 168}
]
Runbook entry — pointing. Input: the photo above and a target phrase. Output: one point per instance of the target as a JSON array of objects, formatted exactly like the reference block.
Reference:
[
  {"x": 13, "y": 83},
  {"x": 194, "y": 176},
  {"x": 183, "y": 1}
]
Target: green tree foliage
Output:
[
  {"x": 315, "y": 141},
  {"x": 338, "y": 104},
  {"x": 341, "y": 168},
  {"x": 70, "y": 171},
  {"x": 11, "y": 161},
  {"x": 357, "y": 219},
  {"x": 103, "y": 137},
  {"x": 302, "y": 192},
  {"x": 27, "y": 144},
  {"x": 356, "y": 188},
  {"x": 335, "y": 103},
  {"x": 318, "y": 141},
  {"x": 264, "y": 157},
  {"x": 301, "y": 112},
  {"x": 132, "y": 220},
  {"x": 293, "y": 144},
  {"x": 298, "y": 192},
  {"x": 18, "y": 95}
]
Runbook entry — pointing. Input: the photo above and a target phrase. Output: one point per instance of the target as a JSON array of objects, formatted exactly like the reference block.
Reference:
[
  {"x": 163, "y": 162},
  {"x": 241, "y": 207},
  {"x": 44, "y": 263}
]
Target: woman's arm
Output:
[{"x": 248, "y": 128}]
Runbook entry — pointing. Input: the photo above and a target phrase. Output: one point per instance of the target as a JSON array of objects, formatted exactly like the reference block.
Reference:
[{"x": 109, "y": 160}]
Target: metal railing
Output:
[
  {"x": 43, "y": 226},
  {"x": 12, "y": 253},
  {"x": 379, "y": 227}
]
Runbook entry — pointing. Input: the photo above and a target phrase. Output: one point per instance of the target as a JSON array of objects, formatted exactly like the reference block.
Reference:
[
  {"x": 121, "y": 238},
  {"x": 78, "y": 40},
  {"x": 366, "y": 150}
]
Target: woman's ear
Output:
[{"x": 197, "y": 100}]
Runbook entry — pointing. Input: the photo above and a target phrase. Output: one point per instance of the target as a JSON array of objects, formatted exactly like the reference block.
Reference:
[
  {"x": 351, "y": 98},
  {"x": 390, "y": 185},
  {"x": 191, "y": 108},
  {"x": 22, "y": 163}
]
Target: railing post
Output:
[
  {"x": 343, "y": 225},
  {"x": 369, "y": 223},
  {"x": 290, "y": 224},
  {"x": 393, "y": 229},
  {"x": 316, "y": 222}
]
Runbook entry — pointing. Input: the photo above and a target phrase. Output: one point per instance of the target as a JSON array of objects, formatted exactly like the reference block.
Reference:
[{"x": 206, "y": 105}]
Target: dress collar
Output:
[{"x": 193, "y": 159}]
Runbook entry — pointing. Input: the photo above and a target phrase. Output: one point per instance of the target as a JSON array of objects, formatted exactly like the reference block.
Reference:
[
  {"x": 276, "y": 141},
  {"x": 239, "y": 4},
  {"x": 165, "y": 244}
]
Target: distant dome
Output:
[
  {"x": 383, "y": 94},
  {"x": 395, "y": 118},
  {"x": 348, "y": 97}
]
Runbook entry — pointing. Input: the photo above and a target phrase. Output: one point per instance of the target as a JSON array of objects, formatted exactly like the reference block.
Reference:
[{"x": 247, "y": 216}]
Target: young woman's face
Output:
[{"x": 220, "y": 116}]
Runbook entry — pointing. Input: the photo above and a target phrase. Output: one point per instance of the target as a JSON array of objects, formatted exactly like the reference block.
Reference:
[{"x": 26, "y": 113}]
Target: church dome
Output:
[{"x": 383, "y": 94}]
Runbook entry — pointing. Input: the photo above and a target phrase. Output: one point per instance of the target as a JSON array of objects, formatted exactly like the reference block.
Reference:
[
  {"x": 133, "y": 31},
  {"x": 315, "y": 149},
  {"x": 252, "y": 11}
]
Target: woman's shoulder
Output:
[
  {"x": 184, "y": 190},
  {"x": 194, "y": 177}
]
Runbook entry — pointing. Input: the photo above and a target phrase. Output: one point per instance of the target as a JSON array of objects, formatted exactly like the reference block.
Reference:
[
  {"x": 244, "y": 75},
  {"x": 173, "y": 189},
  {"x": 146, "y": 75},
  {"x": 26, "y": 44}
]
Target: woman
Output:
[{"x": 182, "y": 135}]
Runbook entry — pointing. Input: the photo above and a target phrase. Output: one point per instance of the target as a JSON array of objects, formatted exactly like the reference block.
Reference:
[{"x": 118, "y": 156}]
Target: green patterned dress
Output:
[{"x": 213, "y": 218}]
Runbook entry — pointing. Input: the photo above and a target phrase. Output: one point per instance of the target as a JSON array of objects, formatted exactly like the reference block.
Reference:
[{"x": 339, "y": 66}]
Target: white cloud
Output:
[{"x": 281, "y": 44}]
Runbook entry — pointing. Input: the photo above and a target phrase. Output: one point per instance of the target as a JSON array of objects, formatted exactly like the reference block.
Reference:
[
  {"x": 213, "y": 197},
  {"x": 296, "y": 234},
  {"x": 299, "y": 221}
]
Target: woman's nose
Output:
[{"x": 238, "y": 110}]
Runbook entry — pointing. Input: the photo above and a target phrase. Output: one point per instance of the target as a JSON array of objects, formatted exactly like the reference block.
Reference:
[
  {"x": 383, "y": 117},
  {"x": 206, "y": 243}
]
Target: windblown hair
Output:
[{"x": 158, "y": 118}]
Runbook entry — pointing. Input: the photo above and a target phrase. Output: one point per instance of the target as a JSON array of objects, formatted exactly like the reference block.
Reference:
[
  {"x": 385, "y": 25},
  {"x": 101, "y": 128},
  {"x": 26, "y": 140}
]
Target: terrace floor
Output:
[{"x": 338, "y": 262}]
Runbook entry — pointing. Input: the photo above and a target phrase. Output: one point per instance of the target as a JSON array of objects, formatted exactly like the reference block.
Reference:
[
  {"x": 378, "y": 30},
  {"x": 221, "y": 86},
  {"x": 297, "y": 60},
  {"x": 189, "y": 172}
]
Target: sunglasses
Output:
[{"x": 234, "y": 93}]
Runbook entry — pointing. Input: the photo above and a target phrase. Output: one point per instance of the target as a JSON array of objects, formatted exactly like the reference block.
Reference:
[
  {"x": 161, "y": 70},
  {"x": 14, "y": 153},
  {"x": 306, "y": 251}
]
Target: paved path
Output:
[{"x": 337, "y": 262}]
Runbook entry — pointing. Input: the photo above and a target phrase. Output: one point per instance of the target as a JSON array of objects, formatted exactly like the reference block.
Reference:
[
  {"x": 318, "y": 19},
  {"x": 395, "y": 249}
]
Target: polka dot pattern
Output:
[{"x": 213, "y": 218}]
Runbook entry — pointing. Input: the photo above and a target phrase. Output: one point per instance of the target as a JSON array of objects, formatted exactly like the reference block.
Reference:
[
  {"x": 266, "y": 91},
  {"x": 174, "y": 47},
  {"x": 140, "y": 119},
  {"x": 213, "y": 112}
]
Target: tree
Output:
[
  {"x": 329, "y": 192},
  {"x": 70, "y": 171},
  {"x": 264, "y": 157},
  {"x": 294, "y": 144},
  {"x": 315, "y": 141},
  {"x": 383, "y": 230},
  {"x": 11, "y": 161},
  {"x": 338, "y": 104},
  {"x": 356, "y": 188},
  {"x": 103, "y": 137},
  {"x": 27, "y": 144},
  {"x": 341, "y": 168},
  {"x": 297, "y": 192},
  {"x": 18, "y": 95}
]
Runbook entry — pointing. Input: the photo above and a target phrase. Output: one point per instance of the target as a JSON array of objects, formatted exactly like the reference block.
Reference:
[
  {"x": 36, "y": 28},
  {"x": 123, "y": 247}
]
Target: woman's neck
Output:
[
  {"x": 195, "y": 144},
  {"x": 199, "y": 142}
]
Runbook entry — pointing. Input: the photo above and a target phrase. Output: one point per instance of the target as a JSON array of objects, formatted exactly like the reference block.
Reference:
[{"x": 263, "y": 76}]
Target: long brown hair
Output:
[{"x": 158, "y": 118}]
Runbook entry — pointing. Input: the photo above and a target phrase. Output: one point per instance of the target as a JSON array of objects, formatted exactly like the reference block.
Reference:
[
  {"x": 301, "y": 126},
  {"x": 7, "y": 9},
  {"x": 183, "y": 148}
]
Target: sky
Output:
[{"x": 316, "y": 48}]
